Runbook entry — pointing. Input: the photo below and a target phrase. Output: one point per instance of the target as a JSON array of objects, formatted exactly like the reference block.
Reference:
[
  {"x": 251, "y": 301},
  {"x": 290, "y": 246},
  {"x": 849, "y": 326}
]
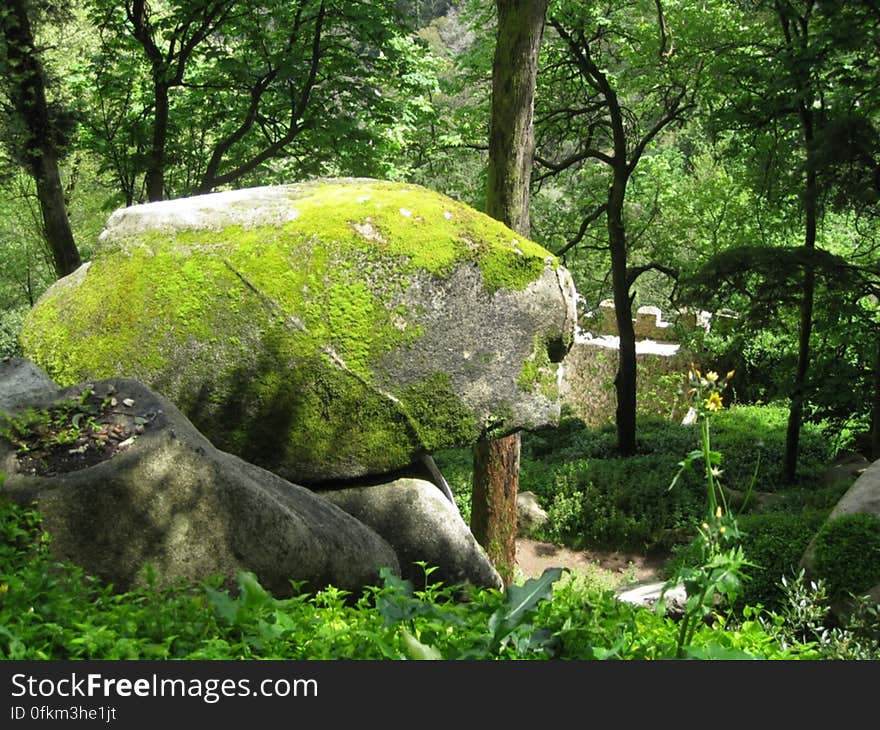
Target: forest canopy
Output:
[{"x": 714, "y": 155}]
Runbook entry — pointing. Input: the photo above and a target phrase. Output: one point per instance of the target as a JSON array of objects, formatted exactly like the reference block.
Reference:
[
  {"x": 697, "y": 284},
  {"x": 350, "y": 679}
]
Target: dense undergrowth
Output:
[
  {"x": 50, "y": 610},
  {"x": 54, "y": 611},
  {"x": 598, "y": 499}
]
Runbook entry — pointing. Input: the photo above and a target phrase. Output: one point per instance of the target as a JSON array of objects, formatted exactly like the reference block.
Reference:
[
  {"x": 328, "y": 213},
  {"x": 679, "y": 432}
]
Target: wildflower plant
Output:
[{"x": 719, "y": 575}]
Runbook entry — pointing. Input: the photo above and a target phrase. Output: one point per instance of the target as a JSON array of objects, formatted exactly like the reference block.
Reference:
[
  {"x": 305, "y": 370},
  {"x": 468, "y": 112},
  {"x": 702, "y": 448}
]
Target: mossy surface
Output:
[
  {"x": 847, "y": 554},
  {"x": 538, "y": 372},
  {"x": 267, "y": 334}
]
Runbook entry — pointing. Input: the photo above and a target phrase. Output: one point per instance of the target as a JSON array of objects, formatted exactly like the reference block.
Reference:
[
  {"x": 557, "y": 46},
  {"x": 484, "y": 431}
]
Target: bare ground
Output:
[{"x": 532, "y": 557}]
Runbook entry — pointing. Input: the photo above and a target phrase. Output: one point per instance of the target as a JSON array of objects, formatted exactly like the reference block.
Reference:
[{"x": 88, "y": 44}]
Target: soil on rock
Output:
[{"x": 74, "y": 434}]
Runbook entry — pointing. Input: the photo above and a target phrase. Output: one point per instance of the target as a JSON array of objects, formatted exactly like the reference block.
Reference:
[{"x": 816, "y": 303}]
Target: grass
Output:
[{"x": 598, "y": 499}]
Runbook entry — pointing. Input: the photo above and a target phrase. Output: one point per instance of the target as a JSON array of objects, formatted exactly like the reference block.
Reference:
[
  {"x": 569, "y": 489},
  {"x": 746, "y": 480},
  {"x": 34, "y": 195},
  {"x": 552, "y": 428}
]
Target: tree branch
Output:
[
  {"x": 667, "y": 46},
  {"x": 294, "y": 126},
  {"x": 585, "y": 224},
  {"x": 634, "y": 272}
]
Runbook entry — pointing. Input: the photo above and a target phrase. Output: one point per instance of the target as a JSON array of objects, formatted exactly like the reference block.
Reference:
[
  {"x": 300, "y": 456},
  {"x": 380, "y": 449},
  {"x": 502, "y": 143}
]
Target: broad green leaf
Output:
[
  {"x": 225, "y": 607},
  {"x": 415, "y": 649},
  {"x": 522, "y": 599}
]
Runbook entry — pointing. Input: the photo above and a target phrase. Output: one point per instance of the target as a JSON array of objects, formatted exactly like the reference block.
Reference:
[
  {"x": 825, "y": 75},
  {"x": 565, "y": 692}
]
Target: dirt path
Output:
[{"x": 533, "y": 557}]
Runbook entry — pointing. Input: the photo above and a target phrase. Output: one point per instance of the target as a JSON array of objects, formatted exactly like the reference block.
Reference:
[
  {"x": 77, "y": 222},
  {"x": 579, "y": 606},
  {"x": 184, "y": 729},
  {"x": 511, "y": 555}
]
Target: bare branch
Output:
[
  {"x": 667, "y": 46},
  {"x": 585, "y": 224}
]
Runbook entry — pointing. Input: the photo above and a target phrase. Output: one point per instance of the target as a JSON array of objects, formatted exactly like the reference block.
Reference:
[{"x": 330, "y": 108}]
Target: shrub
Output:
[
  {"x": 744, "y": 433},
  {"x": 847, "y": 554},
  {"x": 54, "y": 611},
  {"x": 775, "y": 542},
  {"x": 596, "y": 498},
  {"x": 11, "y": 321}
]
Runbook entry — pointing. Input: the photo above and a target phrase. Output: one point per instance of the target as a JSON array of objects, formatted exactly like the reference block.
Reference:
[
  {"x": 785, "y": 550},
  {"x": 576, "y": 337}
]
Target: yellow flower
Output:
[
  {"x": 722, "y": 529},
  {"x": 4, "y": 588},
  {"x": 714, "y": 402},
  {"x": 730, "y": 374},
  {"x": 712, "y": 376},
  {"x": 718, "y": 512}
]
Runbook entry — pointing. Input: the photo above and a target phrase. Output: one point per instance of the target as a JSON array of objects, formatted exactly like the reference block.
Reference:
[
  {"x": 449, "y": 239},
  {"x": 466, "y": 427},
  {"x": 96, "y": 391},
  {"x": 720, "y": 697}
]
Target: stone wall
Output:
[{"x": 587, "y": 378}]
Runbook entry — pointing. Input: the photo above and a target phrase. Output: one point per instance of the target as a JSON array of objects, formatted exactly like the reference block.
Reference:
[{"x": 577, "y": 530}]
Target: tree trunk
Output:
[
  {"x": 511, "y": 134},
  {"x": 511, "y": 148},
  {"x": 38, "y": 147},
  {"x": 805, "y": 327},
  {"x": 625, "y": 380},
  {"x": 493, "y": 509},
  {"x": 875, "y": 418},
  {"x": 155, "y": 174}
]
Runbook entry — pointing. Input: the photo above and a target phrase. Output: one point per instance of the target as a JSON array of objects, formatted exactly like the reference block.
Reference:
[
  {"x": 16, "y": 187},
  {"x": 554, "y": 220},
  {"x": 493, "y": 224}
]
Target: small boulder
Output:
[
  {"x": 846, "y": 467},
  {"x": 421, "y": 524},
  {"x": 165, "y": 496},
  {"x": 646, "y": 595},
  {"x": 20, "y": 382},
  {"x": 529, "y": 513}
]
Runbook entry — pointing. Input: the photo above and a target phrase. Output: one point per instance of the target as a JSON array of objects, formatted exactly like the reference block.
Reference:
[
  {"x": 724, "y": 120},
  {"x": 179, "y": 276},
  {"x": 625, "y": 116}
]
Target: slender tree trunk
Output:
[
  {"x": 38, "y": 147},
  {"x": 511, "y": 149},
  {"x": 875, "y": 418},
  {"x": 53, "y": 207},
  {"x": 805, "y": 326},
  {"x": 625, "y": 380},
  {"x": 155, "y": 174}
]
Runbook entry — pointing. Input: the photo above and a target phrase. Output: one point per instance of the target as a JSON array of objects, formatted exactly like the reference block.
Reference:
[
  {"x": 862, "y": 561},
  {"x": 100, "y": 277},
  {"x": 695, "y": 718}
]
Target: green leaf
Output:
[
  {"x": 252, "y": 593},
  {"x": 226, "y": 608},
  {"x": 601, "y": 653},
  {"x": 415, "y": 649},
  {"x": 714, "y": 651},
  {"x": 522, "y": 599}
]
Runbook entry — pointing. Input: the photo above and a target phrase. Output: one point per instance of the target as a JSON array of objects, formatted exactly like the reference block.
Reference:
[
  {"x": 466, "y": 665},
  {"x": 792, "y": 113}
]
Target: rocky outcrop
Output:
[
  {"x": 166, "y": 496},
  {"x": 863, "y": 497},
  {"x": 21, "y": 382},
  {"x": 323, "y": 331},
  {"x": 421, "y": 525}
]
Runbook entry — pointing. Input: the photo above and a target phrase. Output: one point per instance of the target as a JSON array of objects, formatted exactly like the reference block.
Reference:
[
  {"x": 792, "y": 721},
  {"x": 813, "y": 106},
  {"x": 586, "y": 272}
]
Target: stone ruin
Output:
[{"x": 587, "y": 379}]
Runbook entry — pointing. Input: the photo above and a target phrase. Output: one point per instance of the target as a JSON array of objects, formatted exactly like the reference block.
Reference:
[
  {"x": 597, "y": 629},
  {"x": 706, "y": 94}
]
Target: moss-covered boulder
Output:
[
  {"x": 845, "y": 552},
  {"x": 324, "y": 330}
]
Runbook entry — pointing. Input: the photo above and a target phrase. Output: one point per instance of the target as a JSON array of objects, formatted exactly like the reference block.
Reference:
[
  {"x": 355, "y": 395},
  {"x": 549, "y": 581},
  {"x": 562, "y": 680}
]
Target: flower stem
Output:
[{"x": 710, "y": 479}]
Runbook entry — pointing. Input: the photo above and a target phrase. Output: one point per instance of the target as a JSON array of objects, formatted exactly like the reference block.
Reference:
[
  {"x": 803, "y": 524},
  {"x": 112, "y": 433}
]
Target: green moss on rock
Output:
[
  {"x": 266, "y": 320},
  {"x": 538, "y": 372},
  {"x": 847, "y": 554}
]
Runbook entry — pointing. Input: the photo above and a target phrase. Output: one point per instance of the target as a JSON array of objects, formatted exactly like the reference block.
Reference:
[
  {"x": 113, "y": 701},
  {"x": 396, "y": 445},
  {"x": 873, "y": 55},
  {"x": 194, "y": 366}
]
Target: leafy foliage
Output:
[
  {"x": 207, "y": 95},
  {"x": 596, "y": 498},
  {"x": 52, "y": 610},
  {"x": 846, "y": 554}
]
